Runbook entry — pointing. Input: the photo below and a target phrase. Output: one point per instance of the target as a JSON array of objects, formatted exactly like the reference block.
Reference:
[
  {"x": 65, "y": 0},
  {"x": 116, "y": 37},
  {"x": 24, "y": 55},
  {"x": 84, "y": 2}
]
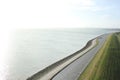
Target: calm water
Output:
[{"x": 33, "y": 50}]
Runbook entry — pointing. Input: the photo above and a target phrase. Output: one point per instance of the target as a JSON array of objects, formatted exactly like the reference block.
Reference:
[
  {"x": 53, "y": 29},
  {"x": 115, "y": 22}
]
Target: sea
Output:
[{"x": 31, "y": 50}]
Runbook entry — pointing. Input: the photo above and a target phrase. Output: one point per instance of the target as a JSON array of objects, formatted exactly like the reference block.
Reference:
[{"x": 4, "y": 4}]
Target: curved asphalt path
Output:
[{"x": 73, "y": 71}]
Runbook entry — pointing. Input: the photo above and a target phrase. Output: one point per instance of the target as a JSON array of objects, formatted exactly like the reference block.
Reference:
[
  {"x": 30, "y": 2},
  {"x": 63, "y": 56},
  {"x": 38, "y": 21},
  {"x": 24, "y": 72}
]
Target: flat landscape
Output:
[
  {"x": 100, "y": 60},
  {"x": 106, "y": 63}
]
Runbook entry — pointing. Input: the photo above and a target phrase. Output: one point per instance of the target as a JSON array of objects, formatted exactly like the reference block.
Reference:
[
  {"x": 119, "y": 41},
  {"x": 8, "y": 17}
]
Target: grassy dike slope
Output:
[{"x": 106, "y": 63}]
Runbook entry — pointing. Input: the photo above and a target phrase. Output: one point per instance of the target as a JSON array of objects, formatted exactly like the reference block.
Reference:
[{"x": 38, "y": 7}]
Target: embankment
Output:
[
  {"x": 52, "y": 70},
  {"x": 106, "y": 63}
]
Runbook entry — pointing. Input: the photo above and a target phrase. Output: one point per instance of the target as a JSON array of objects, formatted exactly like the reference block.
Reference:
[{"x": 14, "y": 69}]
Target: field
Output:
[{"x": 106, "y": 63}]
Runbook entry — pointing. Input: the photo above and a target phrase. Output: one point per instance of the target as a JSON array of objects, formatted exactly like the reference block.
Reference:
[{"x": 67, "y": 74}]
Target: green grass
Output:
[{"x": 106, "y": 63}]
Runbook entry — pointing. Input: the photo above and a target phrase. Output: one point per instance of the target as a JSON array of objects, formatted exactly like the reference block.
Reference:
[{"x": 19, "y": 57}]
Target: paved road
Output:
[
  {"x": 49, "y": 72},
  {"x": 73, "y": 71}
]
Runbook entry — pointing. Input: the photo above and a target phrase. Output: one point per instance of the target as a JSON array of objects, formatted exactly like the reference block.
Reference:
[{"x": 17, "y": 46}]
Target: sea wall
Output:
[{"x": 48, "y": 69}]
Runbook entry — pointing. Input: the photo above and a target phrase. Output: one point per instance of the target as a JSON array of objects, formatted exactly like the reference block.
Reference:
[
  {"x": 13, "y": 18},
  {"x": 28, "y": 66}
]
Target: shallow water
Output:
[{"x": 34, "y": 49}]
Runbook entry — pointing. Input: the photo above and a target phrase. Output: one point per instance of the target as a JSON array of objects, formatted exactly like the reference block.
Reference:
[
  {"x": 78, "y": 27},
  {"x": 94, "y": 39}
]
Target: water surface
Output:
[{"x": 34, "y": 49}]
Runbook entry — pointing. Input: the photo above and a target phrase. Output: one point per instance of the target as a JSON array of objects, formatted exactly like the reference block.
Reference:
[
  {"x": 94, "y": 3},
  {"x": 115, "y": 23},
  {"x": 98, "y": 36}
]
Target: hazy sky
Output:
[
  {"x": 59, "y": 13},
  {"x": 54, "y": 13}
]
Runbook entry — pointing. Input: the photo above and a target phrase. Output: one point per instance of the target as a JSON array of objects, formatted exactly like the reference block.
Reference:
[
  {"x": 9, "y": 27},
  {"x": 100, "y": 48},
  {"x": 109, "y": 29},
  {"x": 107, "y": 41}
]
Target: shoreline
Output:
[{"x": 52, "y": 70}]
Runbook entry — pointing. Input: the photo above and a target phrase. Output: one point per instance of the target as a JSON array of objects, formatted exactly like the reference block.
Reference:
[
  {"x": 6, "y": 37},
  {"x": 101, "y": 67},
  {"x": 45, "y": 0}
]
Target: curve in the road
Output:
[
  {"x": 70, "y": 67},
  {"x": 73, "y": 71}
]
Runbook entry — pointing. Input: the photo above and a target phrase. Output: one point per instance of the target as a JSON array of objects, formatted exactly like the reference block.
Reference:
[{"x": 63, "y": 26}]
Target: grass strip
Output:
[{"x": 106, "y": 63}]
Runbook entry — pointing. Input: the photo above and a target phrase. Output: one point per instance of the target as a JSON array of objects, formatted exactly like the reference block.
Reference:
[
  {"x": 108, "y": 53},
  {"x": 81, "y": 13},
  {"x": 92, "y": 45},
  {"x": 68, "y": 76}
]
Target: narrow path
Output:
[{"x": 73, "y": 71}]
